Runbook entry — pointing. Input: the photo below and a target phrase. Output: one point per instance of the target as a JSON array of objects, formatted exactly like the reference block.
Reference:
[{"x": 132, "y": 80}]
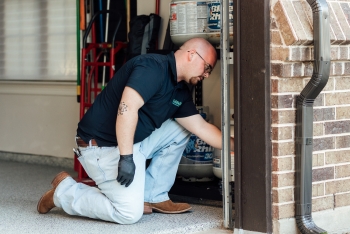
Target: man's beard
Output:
[{"x": 194, "y": 81}]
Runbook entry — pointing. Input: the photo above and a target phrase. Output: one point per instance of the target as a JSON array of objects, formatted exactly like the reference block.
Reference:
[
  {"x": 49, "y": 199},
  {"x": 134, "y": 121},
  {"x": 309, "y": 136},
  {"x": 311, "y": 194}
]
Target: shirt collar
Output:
[{"x": 172, "y": 65}]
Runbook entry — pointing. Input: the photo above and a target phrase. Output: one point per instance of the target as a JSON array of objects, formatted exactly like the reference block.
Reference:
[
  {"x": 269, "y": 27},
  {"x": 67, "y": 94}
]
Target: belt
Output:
[{"x": 82, "y": 143}]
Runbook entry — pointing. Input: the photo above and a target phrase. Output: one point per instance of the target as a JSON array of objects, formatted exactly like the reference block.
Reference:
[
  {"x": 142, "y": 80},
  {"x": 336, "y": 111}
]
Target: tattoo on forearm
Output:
[{"x": 122, "y": 108}]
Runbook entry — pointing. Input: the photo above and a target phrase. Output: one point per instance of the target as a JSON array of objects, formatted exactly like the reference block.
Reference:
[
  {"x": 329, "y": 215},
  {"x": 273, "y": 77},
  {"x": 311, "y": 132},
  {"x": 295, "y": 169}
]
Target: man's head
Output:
[{"x": 195, "y": 60}]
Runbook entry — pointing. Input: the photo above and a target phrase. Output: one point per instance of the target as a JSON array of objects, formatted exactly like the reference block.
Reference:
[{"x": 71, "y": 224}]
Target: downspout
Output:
[{"x": 304, "y": 121}]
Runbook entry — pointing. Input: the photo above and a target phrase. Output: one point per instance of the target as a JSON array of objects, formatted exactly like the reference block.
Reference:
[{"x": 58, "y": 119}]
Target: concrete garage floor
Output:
[{"x": 22, "y": 184}]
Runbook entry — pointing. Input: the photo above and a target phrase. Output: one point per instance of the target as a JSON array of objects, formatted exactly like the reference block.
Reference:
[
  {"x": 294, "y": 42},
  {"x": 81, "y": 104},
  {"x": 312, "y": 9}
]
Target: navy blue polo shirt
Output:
[{"x": 154, "y": 77}]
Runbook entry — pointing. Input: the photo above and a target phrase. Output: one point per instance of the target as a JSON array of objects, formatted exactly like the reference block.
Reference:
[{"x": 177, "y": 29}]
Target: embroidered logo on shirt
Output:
[{"x": 176, "y": 103}]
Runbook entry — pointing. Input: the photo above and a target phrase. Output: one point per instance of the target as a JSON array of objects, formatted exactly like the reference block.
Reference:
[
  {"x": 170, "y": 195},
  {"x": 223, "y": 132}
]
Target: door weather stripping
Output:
[
  {"x": 304, "y": 122},
  {"x": 225, "y": 110}
]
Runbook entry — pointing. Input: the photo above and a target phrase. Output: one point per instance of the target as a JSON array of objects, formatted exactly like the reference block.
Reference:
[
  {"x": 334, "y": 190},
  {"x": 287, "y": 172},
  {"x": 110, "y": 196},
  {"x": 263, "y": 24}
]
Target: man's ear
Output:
[{"x": 190, "y": 55}]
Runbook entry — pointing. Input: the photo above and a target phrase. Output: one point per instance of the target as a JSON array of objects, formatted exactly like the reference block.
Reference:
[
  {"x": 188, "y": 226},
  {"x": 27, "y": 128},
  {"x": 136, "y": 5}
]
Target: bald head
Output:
[
  {"x": 203, "y": 47},
  {"x": 195, "y": 60}
]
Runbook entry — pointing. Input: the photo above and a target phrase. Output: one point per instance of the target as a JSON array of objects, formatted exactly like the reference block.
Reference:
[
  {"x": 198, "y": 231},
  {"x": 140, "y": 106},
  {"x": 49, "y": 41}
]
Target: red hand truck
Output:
[{"x": 91, "y": 56}]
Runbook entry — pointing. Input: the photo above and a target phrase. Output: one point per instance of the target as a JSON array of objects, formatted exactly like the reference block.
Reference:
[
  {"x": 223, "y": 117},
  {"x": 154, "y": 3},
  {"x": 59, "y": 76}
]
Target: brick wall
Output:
[{"x": 291, "y": 69}]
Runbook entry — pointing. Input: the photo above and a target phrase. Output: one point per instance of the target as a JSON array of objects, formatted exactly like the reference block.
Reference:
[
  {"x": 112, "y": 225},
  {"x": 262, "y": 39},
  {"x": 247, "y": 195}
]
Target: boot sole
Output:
[{"x": 170, "y": 212}]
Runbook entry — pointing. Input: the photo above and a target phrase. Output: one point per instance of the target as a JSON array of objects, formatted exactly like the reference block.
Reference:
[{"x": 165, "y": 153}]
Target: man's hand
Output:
[{"x": 126, "y": 170}]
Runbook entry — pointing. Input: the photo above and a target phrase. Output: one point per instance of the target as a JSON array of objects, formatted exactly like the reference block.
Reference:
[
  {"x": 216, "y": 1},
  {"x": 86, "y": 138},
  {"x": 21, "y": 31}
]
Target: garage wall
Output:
[
  {"x": 38, "y": 118},
  {"x": 38, "y": 104}
]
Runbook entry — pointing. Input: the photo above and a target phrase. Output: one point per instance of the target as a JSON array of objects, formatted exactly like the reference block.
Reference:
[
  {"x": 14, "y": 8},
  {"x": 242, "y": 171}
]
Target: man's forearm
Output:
[
  {"x": 127, "y": 119},
  {"x": 204, "y": 130},
  {"x": 125, "y": 129}
]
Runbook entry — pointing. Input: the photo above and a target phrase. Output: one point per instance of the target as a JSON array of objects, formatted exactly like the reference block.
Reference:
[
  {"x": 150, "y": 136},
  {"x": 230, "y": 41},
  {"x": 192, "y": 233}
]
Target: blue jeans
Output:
[{"x": 114, "y": 202}]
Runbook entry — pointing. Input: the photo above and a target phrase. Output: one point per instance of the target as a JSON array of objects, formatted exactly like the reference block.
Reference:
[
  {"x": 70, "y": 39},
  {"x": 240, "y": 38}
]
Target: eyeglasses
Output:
[{"x": 207, "y": 67}]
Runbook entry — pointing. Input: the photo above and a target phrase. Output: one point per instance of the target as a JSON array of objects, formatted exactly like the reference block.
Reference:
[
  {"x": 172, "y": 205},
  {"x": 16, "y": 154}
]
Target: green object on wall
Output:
[{"x": 78, "y": 49}]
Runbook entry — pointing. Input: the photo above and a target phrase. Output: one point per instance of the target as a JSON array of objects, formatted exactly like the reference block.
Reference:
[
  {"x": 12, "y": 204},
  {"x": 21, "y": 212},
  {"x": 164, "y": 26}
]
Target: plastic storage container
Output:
[
  {"x": 196, "y": 164},
  {"x": 217, "y": 160},
  {"x": 214, "y": 18},
  {"x": 189, "y": 19},
  {"x": 217, "y": 164}
]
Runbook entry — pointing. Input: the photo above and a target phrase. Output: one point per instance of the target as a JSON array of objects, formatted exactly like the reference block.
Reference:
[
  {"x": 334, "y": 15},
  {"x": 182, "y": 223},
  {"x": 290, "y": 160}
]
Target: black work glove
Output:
[{"x": 126, "y": 170}]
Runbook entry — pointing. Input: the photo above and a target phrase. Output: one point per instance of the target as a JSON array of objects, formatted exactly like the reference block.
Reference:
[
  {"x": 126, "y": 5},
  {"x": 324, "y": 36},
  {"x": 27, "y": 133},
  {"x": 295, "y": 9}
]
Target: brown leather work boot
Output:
[
  {"x": 168, "y": 207},
  {"x": 46, "y": 203}
]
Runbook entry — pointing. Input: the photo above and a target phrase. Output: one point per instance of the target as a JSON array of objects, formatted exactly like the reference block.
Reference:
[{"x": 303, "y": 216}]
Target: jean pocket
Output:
[
  {"x": 101, "y": 164},
  {"x": 108, "y": 162}
]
